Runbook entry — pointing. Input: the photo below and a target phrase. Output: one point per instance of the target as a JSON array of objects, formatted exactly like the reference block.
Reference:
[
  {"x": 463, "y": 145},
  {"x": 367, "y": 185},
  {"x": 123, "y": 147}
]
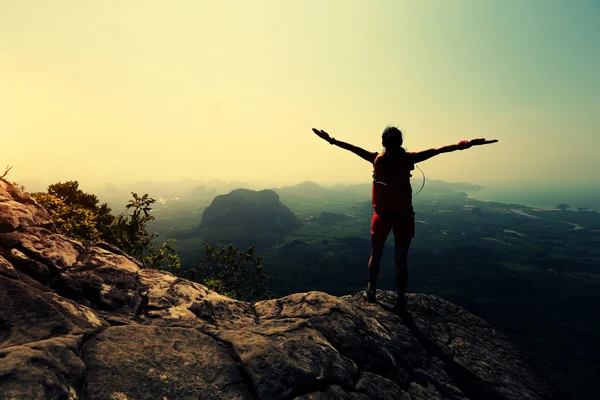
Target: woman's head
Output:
[{"x": 392, "y": 139}]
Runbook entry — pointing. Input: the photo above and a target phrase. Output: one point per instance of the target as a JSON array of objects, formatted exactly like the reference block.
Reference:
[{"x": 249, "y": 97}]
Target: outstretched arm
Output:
[
  {"x": 367, "y": 155},
  {"x": 462, "y": 145}
]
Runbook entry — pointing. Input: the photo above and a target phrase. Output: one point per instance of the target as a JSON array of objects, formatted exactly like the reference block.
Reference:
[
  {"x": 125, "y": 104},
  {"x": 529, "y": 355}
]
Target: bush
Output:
[
  {"x": 231, "y": 272},
  {"x": 79, "y": 215},
  {"x": 76, "y": 214}
]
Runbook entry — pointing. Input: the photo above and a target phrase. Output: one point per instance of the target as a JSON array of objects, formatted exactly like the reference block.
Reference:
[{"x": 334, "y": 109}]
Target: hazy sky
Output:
[{"x": 118, "y": 91}]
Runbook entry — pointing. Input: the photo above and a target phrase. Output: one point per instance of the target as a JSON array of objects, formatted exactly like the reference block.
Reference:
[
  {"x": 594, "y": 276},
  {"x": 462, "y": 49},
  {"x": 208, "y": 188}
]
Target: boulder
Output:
[{"x": 19, "y": 210}]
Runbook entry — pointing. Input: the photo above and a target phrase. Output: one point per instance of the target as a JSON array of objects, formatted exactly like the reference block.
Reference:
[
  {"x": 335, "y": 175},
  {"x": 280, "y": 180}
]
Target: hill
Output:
[
  {"x": 247, "y": 218},
  {"x": 306, "y": 197}
]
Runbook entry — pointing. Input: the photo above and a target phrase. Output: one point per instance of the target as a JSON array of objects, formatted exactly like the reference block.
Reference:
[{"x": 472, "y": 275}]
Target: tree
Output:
[
  {"x": 231, "y": 272},
  {"x": 562, "y": 206},
  {"x": 71, "y": 195},
  {"x": 8, "y": 168},
  {"x": 131, "y": 236},
  {"x": 76, "y": 214},
  {"x": 3, "y": 178}
]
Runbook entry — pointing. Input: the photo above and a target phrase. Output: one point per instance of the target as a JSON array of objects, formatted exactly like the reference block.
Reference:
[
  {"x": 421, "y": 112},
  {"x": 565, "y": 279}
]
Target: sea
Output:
[{"x": 576, "y": 196}]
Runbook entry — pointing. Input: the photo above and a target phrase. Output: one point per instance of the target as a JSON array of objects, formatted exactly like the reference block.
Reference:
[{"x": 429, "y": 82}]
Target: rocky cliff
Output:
[{"x": 86, "y": 322}]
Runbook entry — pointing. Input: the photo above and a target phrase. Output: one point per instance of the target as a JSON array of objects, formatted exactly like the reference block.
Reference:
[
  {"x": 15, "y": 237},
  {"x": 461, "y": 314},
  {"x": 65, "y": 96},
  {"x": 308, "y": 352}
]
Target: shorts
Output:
[{"x": 402, "y": 224}]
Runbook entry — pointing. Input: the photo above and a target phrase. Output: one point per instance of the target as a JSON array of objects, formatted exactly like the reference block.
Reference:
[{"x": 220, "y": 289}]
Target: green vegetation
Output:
[
  {"x": 131, "y": 236},
  {"x": 231, "y": 272},
  {"x": 76, "y": 214},
  {"x": 247, "y": 218}
]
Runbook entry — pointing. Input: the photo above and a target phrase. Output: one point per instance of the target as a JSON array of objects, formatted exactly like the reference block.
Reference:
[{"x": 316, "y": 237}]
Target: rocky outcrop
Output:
[
  {"x": 86, "y": 322},
  {"x": 17, "y": 209},
  {"x": 247, "y": 218}
]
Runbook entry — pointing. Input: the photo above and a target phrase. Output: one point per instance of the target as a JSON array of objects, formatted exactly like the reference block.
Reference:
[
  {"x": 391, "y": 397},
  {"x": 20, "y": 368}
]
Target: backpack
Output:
[{"x": 392, "y": 191}]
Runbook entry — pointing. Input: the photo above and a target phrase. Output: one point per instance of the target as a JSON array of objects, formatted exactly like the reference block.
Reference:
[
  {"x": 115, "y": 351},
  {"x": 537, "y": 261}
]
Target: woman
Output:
[{"x": 391, "y": 197}]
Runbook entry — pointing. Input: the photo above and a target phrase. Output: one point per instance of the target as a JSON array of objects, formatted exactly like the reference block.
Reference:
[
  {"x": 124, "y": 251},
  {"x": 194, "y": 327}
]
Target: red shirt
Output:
[{"x": 391, "y": 192}]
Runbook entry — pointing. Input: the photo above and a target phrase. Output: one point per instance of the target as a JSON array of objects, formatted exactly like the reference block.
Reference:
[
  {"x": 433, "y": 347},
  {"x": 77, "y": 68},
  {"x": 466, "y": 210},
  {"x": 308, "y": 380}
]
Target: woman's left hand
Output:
[
  {"x": 322, "y": 134},
  {"x": 464, "y": 144}
]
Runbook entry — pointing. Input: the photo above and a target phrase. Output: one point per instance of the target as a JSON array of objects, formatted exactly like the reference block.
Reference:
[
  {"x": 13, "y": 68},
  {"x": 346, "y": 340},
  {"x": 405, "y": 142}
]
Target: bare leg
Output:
[
  {"x": 377, "y": 244},
  {"x": 401, "y": 262}
]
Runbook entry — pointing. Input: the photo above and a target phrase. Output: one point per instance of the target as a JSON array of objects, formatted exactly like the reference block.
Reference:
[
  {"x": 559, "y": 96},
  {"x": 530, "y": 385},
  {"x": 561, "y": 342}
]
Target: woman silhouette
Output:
[{"x": 391, "y": 197}]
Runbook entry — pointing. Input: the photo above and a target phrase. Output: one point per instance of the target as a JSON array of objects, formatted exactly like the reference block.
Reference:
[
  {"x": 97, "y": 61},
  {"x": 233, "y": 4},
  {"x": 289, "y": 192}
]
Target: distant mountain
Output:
[
  {"x": 247, "y": 218},
  {"x": 311, "y": 197},
  {"x": 359, "y": 189},
  {"x": 201, "y": 192},
  {"x": 456, "y": 186},
  {"x": 223, "y": 187},
  {"x": 416, "y": 182},
  {"x": 304, "y": 189}
]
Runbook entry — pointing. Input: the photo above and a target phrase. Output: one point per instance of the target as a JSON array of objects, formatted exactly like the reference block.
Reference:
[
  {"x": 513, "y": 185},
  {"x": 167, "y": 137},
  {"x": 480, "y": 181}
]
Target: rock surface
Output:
[{"x": 86, "y": 322}]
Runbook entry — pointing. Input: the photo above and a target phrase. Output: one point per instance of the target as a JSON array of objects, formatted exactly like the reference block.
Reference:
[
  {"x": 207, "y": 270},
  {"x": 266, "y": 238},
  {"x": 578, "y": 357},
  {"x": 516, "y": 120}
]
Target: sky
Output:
[{"x": 119, "y": 90}]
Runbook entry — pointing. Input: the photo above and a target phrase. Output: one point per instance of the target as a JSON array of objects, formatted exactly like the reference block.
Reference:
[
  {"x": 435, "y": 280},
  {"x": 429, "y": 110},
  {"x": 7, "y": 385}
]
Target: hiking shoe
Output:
[{"x": 371, "y": 296}]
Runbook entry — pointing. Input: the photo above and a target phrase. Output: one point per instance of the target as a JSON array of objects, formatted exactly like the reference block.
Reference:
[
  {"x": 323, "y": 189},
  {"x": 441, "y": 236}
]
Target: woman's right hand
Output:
[{"x": 322, "y": 134}]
